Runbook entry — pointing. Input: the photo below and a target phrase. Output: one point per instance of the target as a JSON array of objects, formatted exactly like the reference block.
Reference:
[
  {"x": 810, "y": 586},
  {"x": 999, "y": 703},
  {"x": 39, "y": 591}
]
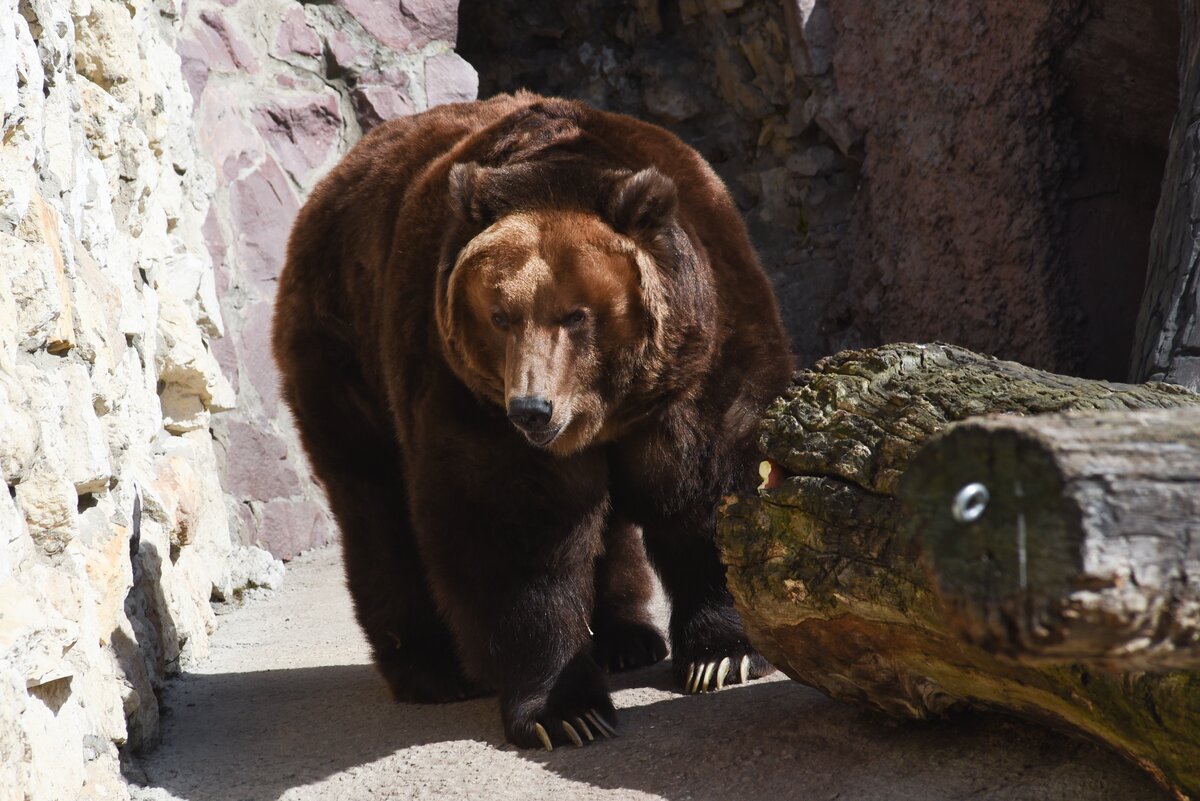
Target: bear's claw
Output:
[
  {"x": 700, "y": 674},
  {"x": 545, "y": 738},
  {"x": 572, "y": 734},
  {"x": 583, "y": 727},
  {"x": 603, "y": 726},
  {"x": 597, "y": 720}
]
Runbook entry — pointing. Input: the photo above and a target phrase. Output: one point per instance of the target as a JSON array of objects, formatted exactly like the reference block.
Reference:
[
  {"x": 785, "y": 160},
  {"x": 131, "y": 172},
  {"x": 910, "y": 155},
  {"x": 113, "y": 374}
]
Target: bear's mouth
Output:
[{"x": 542, "y": 437}]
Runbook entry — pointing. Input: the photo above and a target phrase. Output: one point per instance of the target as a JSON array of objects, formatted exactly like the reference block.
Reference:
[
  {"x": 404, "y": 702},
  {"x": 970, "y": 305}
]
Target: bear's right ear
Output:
[
  {"x": 464, "y": 196},
  {"x": 641, "y": 203}
]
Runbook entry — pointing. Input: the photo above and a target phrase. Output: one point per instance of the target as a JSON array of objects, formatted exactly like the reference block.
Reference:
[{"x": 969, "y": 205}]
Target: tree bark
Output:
[
  {"x": 1167, "y": 343},
  {"x": 1067, "y": 538},
  {"x": 831, "y": 587}
]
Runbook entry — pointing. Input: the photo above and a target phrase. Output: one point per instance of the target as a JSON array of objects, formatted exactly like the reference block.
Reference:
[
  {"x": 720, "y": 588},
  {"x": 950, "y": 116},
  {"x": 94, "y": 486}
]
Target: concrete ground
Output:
[{"x": 288, "y": 707}]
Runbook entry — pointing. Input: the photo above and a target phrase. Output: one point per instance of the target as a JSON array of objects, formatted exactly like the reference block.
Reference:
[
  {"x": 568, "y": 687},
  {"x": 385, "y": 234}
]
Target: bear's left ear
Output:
[
  {"x": 464, "y": 197},
  {"x": 641, "y": 203}
]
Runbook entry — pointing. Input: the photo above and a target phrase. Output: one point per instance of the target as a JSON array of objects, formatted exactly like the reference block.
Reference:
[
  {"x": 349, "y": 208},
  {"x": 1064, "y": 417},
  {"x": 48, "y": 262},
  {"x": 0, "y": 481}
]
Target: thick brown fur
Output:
[{"x": 521, "y": 247}]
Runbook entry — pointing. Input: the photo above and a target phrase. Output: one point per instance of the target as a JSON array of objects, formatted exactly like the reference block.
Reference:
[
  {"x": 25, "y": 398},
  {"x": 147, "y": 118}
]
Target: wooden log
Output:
[
  {"x": 1067, "y": 538},
  {"x": 832, "y": 590}
]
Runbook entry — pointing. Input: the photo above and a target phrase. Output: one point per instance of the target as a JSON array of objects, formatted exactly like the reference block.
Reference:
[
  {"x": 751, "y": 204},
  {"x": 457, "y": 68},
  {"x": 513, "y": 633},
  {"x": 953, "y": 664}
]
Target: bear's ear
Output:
[
  {"x": 641, "y": 203},
  {"x": 464, "y": 195}
]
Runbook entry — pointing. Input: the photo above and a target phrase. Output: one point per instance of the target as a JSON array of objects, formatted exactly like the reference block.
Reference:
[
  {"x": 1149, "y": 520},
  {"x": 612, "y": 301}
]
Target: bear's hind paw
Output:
[
  {"x": 430, "y": 681},
  {"x": 624, "y": 645},
  {"x": 713, "y": 675}
]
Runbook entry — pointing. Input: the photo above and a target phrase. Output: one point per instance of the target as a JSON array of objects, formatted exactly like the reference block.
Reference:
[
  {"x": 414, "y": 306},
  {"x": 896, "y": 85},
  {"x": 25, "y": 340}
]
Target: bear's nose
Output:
[{"x": 530, "y": 412}]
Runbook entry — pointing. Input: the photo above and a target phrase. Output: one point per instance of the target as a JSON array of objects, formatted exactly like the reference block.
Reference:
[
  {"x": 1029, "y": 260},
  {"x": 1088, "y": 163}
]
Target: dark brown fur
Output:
[{"x": 477, "y": 561}]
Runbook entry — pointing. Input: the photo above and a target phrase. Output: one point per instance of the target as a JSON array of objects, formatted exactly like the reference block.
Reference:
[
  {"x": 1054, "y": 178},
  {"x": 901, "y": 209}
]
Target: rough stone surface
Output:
[
  {"x": 282, "y": 90},
  {"x": 983, "y": 173},
  {"x": 719, "y": 74},
  {"x": 1011, "y": 154},
  {"x": 152, "y": 157},
  {"x": 1168, "y": 337},
  {"x": 115, "y": 533}
]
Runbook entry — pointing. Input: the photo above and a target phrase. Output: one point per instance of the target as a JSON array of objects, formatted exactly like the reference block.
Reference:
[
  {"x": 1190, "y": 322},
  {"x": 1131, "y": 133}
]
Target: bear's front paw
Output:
[
  {"x": 577, "y": 710},
  {"x": 625, "y": 644}
]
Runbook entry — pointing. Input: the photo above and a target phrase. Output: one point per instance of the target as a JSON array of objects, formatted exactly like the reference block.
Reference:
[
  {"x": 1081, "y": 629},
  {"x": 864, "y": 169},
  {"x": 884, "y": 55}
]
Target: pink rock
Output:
[
  {"x": 194, "y": 64},
  {"x": 224, "y": 349},
  {"x": 221, "y": 48},
  {"x": 254, "y": 349},
  {"x": 291, "y": 526},
  {"x": 262, "y": 207},
  {"x": 381, "y": 96},
  {"x": 449, "y": 79},
  {"x": 304, "y": 133},
  {"x": 234, "y": 164},
  {"x": 222, "y": 133},
  {"x": 405, "y": 24},
  {"x": 346, "y": 52},
  {"x": 256, "y": 463},
  {"x": 214, "y": 240},
  {"x": 295, "y": 35},
  {"x": 438, "y": 18}
]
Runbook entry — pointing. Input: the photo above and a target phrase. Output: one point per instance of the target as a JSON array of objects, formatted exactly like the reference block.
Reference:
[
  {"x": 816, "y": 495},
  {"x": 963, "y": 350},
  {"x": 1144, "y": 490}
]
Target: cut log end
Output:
[{"x": 1083, "y": 550}]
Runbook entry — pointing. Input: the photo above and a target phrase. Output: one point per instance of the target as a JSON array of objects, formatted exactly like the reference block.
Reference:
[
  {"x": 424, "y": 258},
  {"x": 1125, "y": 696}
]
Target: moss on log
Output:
[{"x": 829, "y": 579}]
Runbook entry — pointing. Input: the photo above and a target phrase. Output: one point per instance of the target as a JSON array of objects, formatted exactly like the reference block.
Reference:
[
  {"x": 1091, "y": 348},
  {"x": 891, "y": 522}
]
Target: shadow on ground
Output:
[
  {"x": 787, "y": 741},
  {"x": 273, "y": 730},
  {"x": 264, "y": 733}
]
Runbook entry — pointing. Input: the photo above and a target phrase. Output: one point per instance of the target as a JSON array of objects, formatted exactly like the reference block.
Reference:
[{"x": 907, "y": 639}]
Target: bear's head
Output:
[{"x": 576, "y": 318}]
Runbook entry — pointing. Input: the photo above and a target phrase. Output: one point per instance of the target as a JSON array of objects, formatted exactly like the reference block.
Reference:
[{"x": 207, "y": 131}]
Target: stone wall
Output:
[
  {"x": 1011, "y": 156},
  {"x": 983, "y": 173},
  {"x": 281, "y": 91},
  {"x": 718, "y": 73},
  {"x": 152, "y": 157},
  {"x": 115, "y": 534}
]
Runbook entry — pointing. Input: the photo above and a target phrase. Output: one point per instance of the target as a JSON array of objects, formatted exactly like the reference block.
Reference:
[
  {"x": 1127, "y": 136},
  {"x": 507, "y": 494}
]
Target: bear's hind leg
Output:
[
  {"x": 411, "y": 645},
  {"x": 624, "y": 636},
  {"x": 352, "y": 450},
  {"x": 709, "y": 648}
]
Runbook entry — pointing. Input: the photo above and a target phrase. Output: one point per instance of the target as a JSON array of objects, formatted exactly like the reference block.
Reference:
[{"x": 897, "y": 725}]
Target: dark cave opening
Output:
[{"x": 1122, "y": 93}]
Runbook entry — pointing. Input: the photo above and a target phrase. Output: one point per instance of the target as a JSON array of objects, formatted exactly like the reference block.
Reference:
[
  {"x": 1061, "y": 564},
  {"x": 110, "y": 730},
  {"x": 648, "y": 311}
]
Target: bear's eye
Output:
[
  {"x": 499, "y": 320},
  {"x": 574, "y": 318}
]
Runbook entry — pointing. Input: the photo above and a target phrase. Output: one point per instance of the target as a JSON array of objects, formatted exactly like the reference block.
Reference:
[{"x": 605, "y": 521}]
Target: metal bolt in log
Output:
[{"x": 1089, "y": 550}]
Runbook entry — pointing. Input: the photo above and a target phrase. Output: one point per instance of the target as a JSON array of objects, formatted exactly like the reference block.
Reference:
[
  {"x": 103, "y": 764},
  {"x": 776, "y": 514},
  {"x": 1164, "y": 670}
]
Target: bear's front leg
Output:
[{"x": 509, "y": 535}]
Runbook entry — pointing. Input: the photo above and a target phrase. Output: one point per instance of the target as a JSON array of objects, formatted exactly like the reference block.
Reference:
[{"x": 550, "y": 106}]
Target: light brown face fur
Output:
[{"x": 548, "y": 304}]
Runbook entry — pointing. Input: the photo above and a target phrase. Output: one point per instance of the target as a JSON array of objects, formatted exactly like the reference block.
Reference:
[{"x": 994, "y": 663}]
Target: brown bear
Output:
[{"x": 521, "y": 337}]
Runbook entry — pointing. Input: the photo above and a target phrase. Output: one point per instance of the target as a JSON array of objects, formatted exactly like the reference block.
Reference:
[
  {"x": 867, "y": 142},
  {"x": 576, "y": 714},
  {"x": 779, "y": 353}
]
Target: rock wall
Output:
[
  {"x": 1011, "y": 157},
  {"x": 152, "y": 157},
  {"x": 138, "y": 139},
  {"x": 281, "y": 90},
  {"x": 115, "y": 533},
  {"x": 979, "y": 173},
  {"x": 719, "y": 74}
]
